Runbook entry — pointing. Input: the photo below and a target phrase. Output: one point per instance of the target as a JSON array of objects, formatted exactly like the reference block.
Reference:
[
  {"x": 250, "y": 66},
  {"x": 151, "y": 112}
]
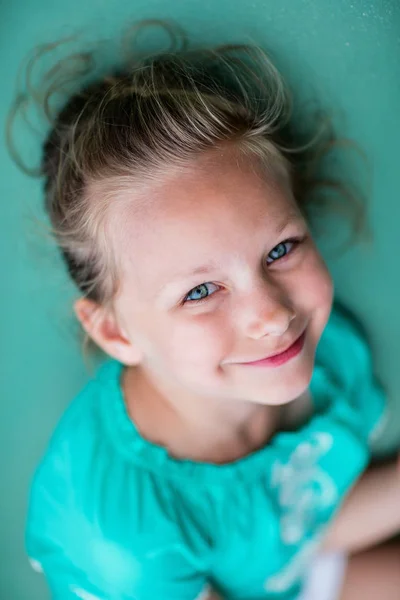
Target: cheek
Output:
[
  {"x": 202, "y": 339},
  {"x": 318, "y": 285},
  {"x": 317, "y": 292},
  {"x": 312, "y": 279},
  {"x": 193, "y": 340},
  {"x": 324, "y": 284}
]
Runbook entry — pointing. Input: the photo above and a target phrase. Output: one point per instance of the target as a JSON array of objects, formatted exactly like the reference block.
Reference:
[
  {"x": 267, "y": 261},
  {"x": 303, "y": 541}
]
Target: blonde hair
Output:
[{"x": 155, "y": 113}]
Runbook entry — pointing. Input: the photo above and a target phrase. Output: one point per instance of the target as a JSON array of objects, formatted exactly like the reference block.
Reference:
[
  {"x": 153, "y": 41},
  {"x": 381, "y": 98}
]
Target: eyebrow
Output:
[{"x": 289, "y": 219}]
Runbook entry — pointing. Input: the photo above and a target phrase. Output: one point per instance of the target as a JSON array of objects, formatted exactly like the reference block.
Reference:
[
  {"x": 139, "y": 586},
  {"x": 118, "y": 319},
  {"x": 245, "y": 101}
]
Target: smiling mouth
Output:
[{"x": 281, "y": 357}]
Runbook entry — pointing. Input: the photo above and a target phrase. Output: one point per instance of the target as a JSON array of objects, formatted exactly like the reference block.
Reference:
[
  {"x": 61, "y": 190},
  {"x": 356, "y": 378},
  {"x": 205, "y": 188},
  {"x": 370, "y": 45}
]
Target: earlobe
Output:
[{"x": 102, "y": 326}]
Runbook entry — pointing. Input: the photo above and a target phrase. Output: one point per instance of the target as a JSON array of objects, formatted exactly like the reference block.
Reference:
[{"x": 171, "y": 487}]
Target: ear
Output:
[{"x": 103, "y": 328}]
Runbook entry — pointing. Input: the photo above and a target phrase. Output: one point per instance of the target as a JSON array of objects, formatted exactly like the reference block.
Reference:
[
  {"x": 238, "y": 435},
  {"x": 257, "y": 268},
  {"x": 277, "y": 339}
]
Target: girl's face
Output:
[{"x": 218, "y": 270}]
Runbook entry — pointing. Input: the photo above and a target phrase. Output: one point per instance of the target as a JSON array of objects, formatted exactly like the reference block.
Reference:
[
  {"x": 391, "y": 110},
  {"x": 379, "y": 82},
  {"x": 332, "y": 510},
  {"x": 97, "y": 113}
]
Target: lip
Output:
[{"x": 282, "y": 357}]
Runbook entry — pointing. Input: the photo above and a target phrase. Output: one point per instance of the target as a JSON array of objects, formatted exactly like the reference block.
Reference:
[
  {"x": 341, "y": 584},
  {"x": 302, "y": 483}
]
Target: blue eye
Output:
[
  {"x": 200, "y": 292},
  {"x": 205, "y": 290},
  {"x": 281, "y": 250}
]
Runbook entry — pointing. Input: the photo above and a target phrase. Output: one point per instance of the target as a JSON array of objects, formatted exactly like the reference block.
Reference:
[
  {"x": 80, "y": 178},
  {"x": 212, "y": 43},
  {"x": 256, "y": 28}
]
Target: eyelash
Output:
[{"x": 295, "y": 241}]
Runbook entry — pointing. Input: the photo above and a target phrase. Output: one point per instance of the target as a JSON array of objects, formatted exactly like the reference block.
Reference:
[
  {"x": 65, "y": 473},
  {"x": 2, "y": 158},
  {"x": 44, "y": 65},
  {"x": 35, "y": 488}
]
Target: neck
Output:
[{"x": 194, "y": 428}]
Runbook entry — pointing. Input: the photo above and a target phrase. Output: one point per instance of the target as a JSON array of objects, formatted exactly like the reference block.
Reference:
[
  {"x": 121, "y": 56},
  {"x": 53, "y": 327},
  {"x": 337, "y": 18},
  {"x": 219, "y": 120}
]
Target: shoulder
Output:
[
  {"x": 344, "y": 348},
  {"x": 97, "y": 471},
  {"x": 344, "y": 372},
  {"x": 85, "y": 462},
  {"x": 74, "y": 437},
  {"x": 71, "y": 480}
]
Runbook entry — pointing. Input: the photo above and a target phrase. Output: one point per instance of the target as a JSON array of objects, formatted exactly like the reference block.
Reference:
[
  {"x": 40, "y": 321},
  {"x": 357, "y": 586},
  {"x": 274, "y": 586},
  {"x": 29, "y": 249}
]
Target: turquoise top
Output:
[{"x": 114, "y": 517}]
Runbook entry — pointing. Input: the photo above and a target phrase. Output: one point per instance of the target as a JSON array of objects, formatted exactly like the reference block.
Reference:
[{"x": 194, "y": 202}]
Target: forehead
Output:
[{"x": 193, "y": 214}]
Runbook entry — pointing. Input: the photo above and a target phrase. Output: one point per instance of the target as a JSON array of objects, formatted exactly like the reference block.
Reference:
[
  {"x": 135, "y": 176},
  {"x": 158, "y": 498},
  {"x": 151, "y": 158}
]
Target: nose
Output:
[{"x": 265, "y": 310}]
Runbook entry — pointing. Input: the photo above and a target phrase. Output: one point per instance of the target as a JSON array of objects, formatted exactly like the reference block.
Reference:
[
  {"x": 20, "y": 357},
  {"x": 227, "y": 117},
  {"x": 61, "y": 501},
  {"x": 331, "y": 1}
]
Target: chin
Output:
[
  {"x": 293, "y": 385},
  {"x": 279, "y": 400}
]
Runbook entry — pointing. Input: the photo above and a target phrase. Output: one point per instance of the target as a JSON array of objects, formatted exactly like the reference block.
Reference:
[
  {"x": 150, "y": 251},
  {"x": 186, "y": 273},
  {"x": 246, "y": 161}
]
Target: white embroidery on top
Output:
[{"x": 304, "y": 493}]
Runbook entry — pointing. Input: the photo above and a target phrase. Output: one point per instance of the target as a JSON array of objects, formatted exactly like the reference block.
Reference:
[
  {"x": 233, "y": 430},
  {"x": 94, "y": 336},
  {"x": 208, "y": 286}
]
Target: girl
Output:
[{"x": 219, "y": 448}]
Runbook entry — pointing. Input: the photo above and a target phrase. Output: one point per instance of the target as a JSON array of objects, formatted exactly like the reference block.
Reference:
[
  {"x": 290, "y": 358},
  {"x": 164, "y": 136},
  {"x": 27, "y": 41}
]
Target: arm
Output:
[{"x": 371, "y": 512}]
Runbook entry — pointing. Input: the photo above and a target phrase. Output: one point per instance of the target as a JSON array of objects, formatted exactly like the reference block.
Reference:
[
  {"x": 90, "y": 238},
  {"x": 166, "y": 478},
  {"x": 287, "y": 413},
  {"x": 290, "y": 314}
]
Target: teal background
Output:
[{"x": 344, "y": 52}]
